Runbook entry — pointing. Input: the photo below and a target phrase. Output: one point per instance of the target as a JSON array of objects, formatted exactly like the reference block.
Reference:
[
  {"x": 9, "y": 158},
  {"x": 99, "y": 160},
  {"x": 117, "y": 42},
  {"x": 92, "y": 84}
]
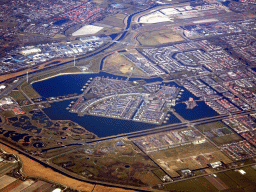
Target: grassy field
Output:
[
  {"x": 192, "y": 185},
  {"x": 119, "y": 64},
  {"x": 65, "y": 70},
  {"x": 70, "y": 70},
  {"x": 159, "y": 173},
  {"x": 28, "y": 108},
  {"x": 93, "y": 65},
  {"x": 55, "y": 152},
  {"x": 243, "y": 180},
  {"x": 120, "y": 16},
  {"x": 238, "y": 182},
  {"x": 230, "y": 135},
  {"x": 189, "y": 156},
  {"x": 8, "y": 114},
  {"x": 114, "y": 21},
  {"x": 109, "y": 31},
  {"x": 108, "y": 162},
  {"x": 158, "y": 37},
  {"x": 227, "y": 180},
  {"x": 29, "y": 91},
  {"x": 17, "y": 96}
]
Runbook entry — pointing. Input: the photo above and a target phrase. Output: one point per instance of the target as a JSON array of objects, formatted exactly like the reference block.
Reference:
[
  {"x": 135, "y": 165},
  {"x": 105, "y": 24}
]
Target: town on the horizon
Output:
[{"x": 128, "y": 95}]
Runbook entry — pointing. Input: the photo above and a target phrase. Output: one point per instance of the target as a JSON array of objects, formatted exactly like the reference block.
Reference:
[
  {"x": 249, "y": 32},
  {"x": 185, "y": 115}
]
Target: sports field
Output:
[{"x": 219, "y": 133}]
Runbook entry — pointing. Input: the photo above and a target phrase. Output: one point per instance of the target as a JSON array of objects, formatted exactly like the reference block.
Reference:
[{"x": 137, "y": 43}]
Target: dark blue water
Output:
[
  {"x": 226, "y": 3},
  {"x": 70, "y": 84},
  {"x": 113, "y": 36},
  {"x": 200, "y": 111},
  {"x": 101, "y": 126},
  {"x": 60, "y": 22}
]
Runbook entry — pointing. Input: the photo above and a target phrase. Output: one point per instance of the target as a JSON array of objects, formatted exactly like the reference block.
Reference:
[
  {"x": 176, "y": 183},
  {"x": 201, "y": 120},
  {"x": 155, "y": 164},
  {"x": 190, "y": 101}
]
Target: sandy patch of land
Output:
[
  {"x": 87, "y": 30},
  {"x": 98, "y": 1},
  {"x": 205, "y": 21},
  {"x": 126, "y": 69},
  {"x": 100, "y": 188},
  {"x": 59, "y": 36},
  {"x": 155, "y": 17},
  {"x": 117, "y": 63},
  {"x": 170, "y": 11}
]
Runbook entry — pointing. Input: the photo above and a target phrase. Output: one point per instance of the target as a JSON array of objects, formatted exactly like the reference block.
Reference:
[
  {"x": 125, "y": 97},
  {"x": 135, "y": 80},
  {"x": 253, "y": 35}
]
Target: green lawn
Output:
[
  {"x": 192, "y": 185},
  {"x": 17, "y": 96}
]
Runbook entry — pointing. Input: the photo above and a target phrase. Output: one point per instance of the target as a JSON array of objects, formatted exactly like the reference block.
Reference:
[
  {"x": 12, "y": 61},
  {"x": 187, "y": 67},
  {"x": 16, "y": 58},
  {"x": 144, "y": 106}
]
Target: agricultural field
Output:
[
  {"x": 111, "y": 161},
  {"x": 248, "y": 179},
  {"x": 192, "y": 185},
  {"x": 238, "y": 182},
  {"x": 188, "y": 156},
  {"x": 6, "y": 167},
  {"x": 158, "y": 37},
  {"x": 6, "y": 180},
  {"x": 216, "y": 182},
  {"x": 219, "y": 133},
  {"x": 34, "y": 169}
]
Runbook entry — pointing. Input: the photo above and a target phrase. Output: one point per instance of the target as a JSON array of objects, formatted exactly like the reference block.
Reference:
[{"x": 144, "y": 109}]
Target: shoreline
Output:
[{"x": 61, "y": 74}]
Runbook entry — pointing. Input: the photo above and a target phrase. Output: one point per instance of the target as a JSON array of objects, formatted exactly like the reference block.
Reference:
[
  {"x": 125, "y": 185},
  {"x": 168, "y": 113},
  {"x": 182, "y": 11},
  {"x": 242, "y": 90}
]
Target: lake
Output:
[{"x": 102, "y": 126}]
